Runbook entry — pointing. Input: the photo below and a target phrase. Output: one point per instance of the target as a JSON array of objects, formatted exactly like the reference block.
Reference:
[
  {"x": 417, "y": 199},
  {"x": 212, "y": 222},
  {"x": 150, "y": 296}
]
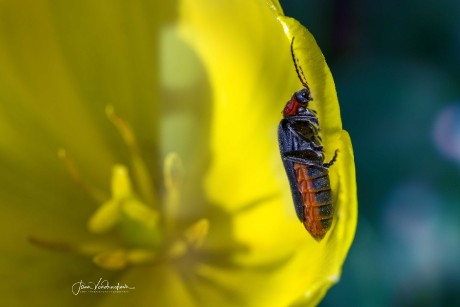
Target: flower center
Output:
[{"x": 132, "y": 212}]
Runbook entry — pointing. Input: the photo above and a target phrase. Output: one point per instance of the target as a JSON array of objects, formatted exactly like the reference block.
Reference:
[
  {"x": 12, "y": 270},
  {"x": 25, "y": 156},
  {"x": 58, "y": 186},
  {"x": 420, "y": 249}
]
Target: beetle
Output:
[{"x": 303, "y": 157}]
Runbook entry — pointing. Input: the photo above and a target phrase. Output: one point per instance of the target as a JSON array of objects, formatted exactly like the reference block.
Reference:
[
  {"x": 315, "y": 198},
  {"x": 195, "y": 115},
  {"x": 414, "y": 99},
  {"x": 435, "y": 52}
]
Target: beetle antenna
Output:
[{"x": 298, "y": 69}]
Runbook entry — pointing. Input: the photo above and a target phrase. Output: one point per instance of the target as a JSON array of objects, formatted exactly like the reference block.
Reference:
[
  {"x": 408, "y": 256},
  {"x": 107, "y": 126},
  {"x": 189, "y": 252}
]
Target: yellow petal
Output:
[
  {"x": 253, "y": 77},
  {"x": 62, "y": 63},
  {"x": 240, "y": 44},
  {"x": 169, "y": 287},
  {"x": 59, "y": 72}
]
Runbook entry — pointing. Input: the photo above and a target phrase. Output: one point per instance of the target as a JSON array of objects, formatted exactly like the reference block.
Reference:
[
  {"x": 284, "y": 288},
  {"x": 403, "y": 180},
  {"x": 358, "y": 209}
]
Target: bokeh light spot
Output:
[{"x": 447, "y": 131}]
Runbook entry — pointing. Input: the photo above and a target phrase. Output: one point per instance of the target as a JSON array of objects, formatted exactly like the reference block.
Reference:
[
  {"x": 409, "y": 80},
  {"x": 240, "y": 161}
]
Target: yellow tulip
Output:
[{"x": 138, "y": 145}]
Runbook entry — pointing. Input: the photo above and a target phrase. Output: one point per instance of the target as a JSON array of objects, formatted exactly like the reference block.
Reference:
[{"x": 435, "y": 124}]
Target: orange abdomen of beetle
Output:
[{"x": 314, "y": 186}]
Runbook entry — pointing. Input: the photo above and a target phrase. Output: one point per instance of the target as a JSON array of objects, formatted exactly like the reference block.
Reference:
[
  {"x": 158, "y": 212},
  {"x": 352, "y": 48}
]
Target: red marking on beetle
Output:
[
  {"x": 291, "y": 107},
  {"x": 312, "y": 218}
]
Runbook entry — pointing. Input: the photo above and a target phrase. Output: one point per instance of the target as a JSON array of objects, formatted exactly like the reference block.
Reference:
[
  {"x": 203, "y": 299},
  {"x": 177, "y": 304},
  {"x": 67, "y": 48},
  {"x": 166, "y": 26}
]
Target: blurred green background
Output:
[{"x": 396, "y": 66}]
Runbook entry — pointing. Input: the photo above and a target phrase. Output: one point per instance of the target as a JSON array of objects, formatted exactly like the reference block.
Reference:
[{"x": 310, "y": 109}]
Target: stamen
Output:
[
  {"x": 112, "y": 260},
  {"x": 141, "y": 213},
  {"x": 197, "y": 233},
  {"x": 173, "y": 174},
  {"x": 173, "y": 171},
  {"x": 86, "y": 249},
  {"x": 121, "y": 184},
  {"x": 118, "y": 259},
  {"x": 123, "y": 203},
  {"x": 105, "y": 218},
  {"x": 193, "y": 239},
  {"x": 140, "y": 256},
  {"x": 141, "y": 174},
  {"x": 50, "y": 245},
  {"x": 94, "y": 193},
  {"x": 103, "y": 255},
  {"x": 141, "y": 236},
  {"x": 177, "y": 249}
]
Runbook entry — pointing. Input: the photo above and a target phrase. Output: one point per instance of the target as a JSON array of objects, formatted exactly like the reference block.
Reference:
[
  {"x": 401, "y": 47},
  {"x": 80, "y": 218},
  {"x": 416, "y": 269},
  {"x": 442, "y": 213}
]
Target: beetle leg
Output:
[
  {"x": 317, "y": 148},
  {"x": 334, "y": 158}
]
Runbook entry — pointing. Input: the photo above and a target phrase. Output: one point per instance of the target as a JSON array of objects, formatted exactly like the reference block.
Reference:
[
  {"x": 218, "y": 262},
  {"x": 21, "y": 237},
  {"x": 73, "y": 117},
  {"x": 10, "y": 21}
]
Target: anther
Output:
[{"x": 197, "y": 233}]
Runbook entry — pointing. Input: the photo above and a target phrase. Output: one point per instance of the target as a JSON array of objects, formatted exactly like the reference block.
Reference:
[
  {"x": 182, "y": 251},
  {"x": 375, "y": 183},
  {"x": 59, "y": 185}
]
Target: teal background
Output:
[{"x": 396, "y": 66}]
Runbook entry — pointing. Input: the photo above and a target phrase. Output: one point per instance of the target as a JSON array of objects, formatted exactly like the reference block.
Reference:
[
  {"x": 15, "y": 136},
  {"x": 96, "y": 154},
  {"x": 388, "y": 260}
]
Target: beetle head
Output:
[
  {"x": 303, "y": 96},
  {"x": 299, "y": 101}
]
